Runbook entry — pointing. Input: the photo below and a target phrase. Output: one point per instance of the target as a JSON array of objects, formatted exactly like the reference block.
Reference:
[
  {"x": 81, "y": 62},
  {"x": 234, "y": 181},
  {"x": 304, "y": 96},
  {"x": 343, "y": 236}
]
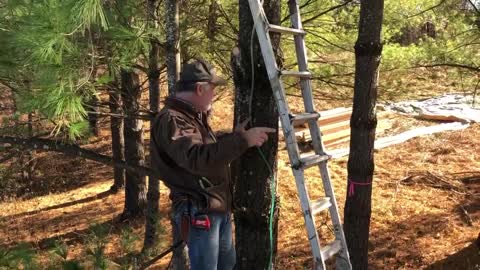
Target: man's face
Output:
[{"x": 205, "y": 93}]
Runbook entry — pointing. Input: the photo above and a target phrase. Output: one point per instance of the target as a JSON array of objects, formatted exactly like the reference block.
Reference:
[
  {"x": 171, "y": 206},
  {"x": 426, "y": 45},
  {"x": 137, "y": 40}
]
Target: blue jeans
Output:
[{"x": 211, "y": 249}]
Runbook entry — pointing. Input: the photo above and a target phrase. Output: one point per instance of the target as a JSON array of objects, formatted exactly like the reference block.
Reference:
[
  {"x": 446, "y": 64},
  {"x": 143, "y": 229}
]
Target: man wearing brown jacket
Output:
[{"x": 194, "y": 164}]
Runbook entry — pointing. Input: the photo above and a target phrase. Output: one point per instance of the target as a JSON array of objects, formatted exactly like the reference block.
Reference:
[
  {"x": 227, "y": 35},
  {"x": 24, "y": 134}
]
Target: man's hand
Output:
[{"x": 255, "y": 136}]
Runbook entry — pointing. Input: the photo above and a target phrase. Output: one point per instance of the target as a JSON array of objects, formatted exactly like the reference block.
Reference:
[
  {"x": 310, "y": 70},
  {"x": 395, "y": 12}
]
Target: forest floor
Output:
[{"x": 425, "y": 202}]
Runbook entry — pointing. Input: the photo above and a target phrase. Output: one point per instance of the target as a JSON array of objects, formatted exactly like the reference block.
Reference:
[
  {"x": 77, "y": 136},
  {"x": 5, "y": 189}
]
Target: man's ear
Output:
[{"x": 198, "y": 89}]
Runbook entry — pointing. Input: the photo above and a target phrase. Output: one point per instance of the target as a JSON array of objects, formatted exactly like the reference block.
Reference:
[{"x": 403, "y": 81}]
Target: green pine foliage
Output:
[
  {"x": 20, "y": 257},
  {"x": 53, "y": 48}
]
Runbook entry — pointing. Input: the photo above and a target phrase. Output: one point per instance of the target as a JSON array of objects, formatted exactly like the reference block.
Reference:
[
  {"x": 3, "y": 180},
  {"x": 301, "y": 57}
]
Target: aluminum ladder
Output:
[{"x": 299, "y": 163}]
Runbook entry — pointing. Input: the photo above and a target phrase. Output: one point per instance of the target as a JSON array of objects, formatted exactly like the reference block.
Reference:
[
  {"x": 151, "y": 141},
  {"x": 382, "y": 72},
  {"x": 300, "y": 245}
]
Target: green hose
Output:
[{"x": 272, "y": 207}]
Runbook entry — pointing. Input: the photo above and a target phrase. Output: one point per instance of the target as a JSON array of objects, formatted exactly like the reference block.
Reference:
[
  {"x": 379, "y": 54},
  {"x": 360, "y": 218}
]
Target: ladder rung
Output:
[
  {"x": 312, "y": 160},
  {"x": 285, "y": 30},
  {"x": 331, "y": 249},
  {"x": 302, "y": 118},
  {"x": 300, "y": 74},
  {"x": 320, "y": 205}
]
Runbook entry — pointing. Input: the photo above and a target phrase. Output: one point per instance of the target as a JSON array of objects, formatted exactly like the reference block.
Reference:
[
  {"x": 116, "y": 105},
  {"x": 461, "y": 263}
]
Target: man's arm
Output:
[{"x": 185, "y": 146}]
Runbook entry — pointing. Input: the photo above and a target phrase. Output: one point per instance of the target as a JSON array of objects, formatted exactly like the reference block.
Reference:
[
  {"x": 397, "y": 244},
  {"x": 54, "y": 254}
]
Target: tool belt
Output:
[{"x": 199, "y": 220}]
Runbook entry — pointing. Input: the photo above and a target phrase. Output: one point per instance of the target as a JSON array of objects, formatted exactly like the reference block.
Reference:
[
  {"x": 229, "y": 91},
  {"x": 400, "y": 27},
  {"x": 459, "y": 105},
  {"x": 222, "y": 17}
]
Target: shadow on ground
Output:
[{"x": 465, "y": 259}]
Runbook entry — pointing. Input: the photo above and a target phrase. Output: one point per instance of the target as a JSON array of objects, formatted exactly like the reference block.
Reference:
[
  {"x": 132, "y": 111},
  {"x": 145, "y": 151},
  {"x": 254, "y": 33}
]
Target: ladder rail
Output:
[
  {"x": 262, "y": 28},
  {"x": 305, "y": 84},
  {"x": 289, "y": 133},
  {"x": 277, "y": 87},
  {"x": 302, "y": 61},
  {"x": 312, "y": 233},
  {"x": 315, "y": 131},
  {"x": 261, "y": 25}
]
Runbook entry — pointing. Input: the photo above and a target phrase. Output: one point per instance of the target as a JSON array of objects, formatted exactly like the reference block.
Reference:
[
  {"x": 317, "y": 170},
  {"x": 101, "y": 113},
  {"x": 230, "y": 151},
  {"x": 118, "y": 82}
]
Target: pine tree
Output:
[
  {"x": 252, "y": 175},
  {"x": 153, "y": 195},
  {"x": 363, "y": 123}
]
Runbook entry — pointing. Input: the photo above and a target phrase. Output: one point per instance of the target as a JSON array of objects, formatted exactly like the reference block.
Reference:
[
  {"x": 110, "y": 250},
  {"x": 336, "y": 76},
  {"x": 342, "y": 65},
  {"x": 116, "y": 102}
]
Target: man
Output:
[{"x": 194, "y": 164}]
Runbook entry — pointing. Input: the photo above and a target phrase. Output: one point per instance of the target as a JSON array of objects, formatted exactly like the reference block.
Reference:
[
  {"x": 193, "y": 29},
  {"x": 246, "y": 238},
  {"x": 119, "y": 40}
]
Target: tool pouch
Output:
[
  {"x": 214, "y": 203},
  {"x": 201, "y": 221}
]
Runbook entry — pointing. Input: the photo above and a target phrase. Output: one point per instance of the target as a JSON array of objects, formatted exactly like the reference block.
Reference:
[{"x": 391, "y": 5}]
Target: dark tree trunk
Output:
[
  {"x": 93, "y": 115},
  {"x": 363, "y": 122},
  {"x": 135, "y": 188},
  {"x": 172, "y": 45},
  {"x": 180, "y": 256},
  {"x": 29, "y": 161},
  {"x": 27, "y": 158},
  {"x": 153, "y": 195},
  {"x": 116, "y": 127},
  {"x": 252, "y": 177}
]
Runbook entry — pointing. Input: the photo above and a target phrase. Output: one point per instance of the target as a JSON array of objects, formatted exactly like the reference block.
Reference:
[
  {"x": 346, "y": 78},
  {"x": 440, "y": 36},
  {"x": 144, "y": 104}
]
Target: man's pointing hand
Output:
[{"x": 256, "y": 136}]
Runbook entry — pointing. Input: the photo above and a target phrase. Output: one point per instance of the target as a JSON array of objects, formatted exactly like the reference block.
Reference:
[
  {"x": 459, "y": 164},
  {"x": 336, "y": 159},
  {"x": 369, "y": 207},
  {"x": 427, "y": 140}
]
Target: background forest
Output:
[{"x": 85, "y": 77}]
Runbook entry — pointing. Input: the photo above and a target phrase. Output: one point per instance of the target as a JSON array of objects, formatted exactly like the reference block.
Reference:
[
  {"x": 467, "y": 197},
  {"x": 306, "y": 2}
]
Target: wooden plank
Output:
[
  {"x": 329, "y": 132},
  {"x": 334, "y": 143},
  {"x": 331, "y": 121},
  {"x": 438, "y": 117},
  {"x": 335, "y": 111},
  {"x": 335, "y": 135},
  {"x": 332, "y": 118},
  {"x": 335, "y": 127},
  {"x": 405, "y": 136},
  {"x": 304, "y": 136}
]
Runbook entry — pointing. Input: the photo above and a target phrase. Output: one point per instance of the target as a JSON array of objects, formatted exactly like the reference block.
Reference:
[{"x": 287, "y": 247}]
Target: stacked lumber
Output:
[
  {"x": 405, "y": 136},
  {"x": 334, "y": 125}
]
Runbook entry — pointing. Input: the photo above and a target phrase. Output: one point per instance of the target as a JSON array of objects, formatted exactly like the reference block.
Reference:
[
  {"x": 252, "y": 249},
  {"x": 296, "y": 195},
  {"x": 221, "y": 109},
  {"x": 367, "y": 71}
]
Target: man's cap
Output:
[{"x": 199, "y": 70}]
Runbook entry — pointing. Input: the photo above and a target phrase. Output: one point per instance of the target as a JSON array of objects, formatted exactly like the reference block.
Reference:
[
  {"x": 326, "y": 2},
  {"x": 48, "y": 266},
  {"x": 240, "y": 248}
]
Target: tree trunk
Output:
[
  {"x": 363, "y": 123},
  {"x": 118, "y": 144},
  {"x": 135, "y": 188},
  {"x": 172, "y": 44},
  {"x": 93, "y": 116},
  {"x": 252, "y": 198},
  {"x": 153, "y": 195},
  {"x": 180, "y": 255},
  {"x": 28, "y": 157}
]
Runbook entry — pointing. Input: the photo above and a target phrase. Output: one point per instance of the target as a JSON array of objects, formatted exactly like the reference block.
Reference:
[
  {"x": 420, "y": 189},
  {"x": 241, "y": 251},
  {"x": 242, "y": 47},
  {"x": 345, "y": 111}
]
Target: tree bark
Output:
[
  {"x": 118, "y": 143},
  {"x": 172, "y": 44},
  {"x": 153, "y": 195},
  {"x": 135, "y": 188},
  {"x": 93, "y": 117},
  {"x": 180, "y": 255},
  {"x": 363, "y": 123},
  {"x": 28, "y": 157},
  {"x": 251, "y": 175}
]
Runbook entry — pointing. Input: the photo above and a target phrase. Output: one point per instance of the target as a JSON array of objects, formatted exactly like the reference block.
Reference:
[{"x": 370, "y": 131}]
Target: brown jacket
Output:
[{"x": 192, "y": 161}]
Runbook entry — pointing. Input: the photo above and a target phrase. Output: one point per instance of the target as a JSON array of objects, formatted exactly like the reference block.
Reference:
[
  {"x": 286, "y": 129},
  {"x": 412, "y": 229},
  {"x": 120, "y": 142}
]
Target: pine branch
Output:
[
  {"x": 228, "y": 20},
  {"x": 428, "y": 9},
  {"x": 326, "y": 11},
  {"x": 474, "y": 7},
  {"x": 76, "y": 151},
  {"x": 331, "y": 82},
  {"x": 140, "y": 67},
  {"x": 310, "y": 31},
  {"x": 8, "y": 85},
  {"x": 306, "y": 4},
  {"x": 8, "y": 157},
  {"x": 116, "y": 115},
  {"x": 471, "y": 68}
]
